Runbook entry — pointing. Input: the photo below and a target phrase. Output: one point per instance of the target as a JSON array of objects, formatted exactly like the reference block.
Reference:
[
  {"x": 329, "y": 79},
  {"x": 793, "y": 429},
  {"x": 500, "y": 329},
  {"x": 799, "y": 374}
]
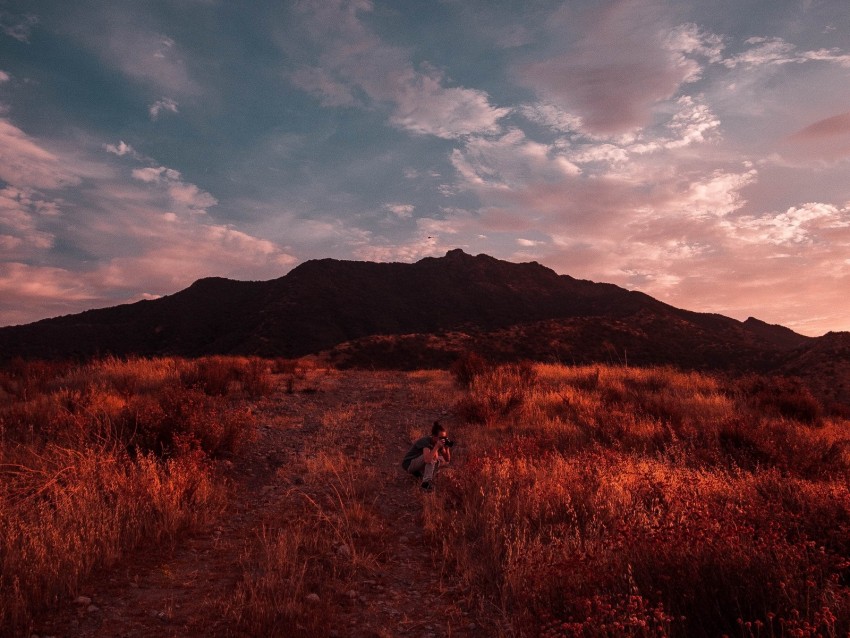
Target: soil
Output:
[{"x": 171, "y": 590}]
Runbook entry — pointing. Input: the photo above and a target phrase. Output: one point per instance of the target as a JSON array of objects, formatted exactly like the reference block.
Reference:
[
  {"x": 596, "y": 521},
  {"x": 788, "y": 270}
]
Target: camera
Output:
[{"x": 447, "y": 441}]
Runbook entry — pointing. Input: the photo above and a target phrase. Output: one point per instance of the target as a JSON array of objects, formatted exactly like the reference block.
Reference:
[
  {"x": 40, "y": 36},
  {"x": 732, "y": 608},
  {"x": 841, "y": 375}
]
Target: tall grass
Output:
[
  {"x": 603, "y": 501},
  {"x": 96, "y": 459},
  {"x": 326, "y": 530}
]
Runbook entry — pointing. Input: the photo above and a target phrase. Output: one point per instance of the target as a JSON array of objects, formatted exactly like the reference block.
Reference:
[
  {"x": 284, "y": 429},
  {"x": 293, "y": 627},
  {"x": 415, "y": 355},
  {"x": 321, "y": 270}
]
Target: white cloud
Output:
[
  {"x": 529, "y": 243},
  {"x": 182, "y": 194},
  {"x": 425, "y": 106},
  {"x": 121, "y": 149},
  {"x": 20, "y": 213},
  {"x": 191, "y": 196},
  {"x": 689, "y": 38},
  {"x": 4, "y": 77},
  {"x": 694, "y": 123},
  {"x": 357, "y": 69},
  {"x": 551, "y": 116},
  {"x": 802, "y": 224},
  {"x": 18, "y": 27},
  {"x": 403, "y": 211},
  {"x": 166, "y": 104},
  {"x": 777, "y": 51},
  {"x": 713, "y": 196},
  {"x": 152, "y": 174}
]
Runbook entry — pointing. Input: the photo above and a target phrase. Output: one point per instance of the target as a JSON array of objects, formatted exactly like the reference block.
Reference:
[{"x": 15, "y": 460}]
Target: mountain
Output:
[{"x": 425, "y": 313}]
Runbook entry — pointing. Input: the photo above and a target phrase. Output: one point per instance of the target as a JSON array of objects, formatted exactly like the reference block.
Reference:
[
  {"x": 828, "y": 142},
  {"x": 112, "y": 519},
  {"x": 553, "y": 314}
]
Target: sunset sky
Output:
[{"x": 696, "y": 151}]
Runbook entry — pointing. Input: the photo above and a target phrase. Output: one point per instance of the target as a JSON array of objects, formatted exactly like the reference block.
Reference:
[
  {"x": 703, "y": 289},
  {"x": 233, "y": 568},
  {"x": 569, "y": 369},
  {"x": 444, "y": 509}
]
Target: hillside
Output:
[
  {"x": 323, "y": 303},
  {"x": 425, "y": 314}
]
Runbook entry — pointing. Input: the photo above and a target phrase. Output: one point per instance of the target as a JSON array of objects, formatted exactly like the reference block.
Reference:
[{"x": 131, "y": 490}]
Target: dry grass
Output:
[
  {"x": 96, "y": 459},
  {"x": 584, "y": 501},
  {"x": 326, "y": 529},
  {"x": 605, "y": 501}
]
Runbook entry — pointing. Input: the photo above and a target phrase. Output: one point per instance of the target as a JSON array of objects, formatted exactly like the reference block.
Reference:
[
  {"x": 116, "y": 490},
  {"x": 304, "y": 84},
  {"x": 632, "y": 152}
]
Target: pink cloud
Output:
[
  {"x": 827, "y": 127},
  {"x": 624, "y": 63},
  {"x": 25, "y": 163},
  {"x": 827, "y": 139}
]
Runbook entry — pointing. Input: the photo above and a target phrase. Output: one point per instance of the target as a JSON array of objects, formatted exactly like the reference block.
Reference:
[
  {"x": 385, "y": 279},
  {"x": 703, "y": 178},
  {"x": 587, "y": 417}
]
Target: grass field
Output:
[{"x": 584, "y": 501}]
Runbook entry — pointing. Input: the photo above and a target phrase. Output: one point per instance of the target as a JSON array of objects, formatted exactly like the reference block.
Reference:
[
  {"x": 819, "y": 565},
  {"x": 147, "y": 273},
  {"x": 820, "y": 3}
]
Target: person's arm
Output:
[
  {"x": 447, "y": 454},
  {"x": 432, "y": 454}
]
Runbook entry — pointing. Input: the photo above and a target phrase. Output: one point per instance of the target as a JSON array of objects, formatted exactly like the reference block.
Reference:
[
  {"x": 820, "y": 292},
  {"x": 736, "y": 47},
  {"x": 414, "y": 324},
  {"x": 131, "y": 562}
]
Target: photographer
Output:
[{"x": 427, "y": 453}]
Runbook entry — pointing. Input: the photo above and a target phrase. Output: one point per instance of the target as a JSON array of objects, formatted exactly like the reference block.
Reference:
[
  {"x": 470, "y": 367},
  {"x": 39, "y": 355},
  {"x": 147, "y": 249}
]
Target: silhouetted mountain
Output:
[{"x": 426, "y": 313}]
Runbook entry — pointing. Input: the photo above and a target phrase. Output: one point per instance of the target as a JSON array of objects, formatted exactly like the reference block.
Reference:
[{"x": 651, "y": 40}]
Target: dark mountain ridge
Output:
[{"x": 371, "y": 313}]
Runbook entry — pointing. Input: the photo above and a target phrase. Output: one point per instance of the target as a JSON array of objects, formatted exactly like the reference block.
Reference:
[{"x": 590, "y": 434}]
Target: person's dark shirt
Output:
[{"x": 416, "y": 450}]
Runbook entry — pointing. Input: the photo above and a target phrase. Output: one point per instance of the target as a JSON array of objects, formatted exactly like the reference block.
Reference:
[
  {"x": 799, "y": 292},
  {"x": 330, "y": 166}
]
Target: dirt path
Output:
[{"x": 172, "y": 591}]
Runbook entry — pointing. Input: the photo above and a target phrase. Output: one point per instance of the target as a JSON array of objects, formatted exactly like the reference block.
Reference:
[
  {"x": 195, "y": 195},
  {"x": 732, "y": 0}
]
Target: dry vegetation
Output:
[
  {"x": 605, "y": 501},
  {"x": 96, "y": 459},
  {"x": 584, "y": 501}
]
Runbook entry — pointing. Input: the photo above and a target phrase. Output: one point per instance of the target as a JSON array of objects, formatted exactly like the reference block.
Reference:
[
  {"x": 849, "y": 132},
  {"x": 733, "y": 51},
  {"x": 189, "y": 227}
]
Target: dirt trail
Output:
[{"x": 160, "y": 591}]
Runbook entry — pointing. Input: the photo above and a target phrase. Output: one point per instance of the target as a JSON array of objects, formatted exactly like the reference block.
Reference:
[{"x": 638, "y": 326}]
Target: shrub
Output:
[
  {"x": 496, "y": 393},
  {"x": 667, "y": 507},
  {"x": 787, "y": 397},
  {"x": 467, "y": 367}
]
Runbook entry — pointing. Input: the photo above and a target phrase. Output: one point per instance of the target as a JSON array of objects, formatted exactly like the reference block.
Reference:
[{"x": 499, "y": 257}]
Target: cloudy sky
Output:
[{"x": 697, "y": 151}]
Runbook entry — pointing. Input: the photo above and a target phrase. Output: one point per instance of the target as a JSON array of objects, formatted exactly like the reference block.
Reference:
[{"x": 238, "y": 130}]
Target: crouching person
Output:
[{"x": 427, "y": 453}]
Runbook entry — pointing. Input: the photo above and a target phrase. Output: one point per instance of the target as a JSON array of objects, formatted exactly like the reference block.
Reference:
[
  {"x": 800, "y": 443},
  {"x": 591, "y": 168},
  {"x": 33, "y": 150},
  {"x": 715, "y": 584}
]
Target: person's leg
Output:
[
  {"x": 417, "y": 466},
  {"x": 430, "y": 470}
]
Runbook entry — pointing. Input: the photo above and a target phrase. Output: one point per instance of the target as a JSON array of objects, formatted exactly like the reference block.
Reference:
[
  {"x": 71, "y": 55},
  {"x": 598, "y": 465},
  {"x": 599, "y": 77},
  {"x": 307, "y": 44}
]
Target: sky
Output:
[{"x": 696, "y": 151}]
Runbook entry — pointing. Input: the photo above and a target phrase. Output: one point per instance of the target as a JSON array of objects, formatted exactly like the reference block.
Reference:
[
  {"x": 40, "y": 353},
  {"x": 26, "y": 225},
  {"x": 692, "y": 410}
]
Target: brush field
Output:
[{"x": 229, "y": 496}]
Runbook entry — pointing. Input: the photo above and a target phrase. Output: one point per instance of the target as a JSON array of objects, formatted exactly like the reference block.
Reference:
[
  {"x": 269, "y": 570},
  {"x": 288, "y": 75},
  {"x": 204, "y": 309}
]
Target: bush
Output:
[
  {"x": 496, "y": 393},
  {"x": 787, "y": 397},
  {"x": 628, "y": 502},
  {"x": 467, "y": 367}
]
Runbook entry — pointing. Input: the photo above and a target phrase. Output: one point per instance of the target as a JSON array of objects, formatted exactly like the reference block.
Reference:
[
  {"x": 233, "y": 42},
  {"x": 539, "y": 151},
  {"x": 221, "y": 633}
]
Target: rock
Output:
[
  {"x": 313, "y": 598},
  {"x": 82, "y": 600},
  {"x": 92, "y": 609}
]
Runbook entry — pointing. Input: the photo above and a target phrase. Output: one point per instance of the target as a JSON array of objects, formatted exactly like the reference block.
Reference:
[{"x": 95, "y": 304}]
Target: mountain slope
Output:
[{"x": 324, "y": 303}]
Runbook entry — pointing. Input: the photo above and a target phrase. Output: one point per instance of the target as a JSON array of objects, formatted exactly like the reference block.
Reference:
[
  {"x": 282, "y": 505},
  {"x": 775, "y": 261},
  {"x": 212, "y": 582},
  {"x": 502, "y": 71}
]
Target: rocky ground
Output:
[{"x": 402, "y": 590}]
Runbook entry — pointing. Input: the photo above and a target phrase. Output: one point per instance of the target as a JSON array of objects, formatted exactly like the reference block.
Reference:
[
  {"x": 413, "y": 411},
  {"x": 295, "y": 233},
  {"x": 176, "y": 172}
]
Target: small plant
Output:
[{"x": 467, "y": 367}]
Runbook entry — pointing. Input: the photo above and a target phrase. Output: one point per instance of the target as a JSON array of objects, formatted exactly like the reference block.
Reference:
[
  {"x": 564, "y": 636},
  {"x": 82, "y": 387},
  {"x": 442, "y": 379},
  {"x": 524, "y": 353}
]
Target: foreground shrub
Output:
[
  {"x": 296, "y": 572},
  {"x": 623, "y": 502},
  {"x": 467, "y": 367},
  {"x": 781, "y": 396},
  {"x": 496, "y": 393},
  {"x": 68, "y": 512},
  {"x": 96, "y": 459},
  {"x": 221, "y": 376}
]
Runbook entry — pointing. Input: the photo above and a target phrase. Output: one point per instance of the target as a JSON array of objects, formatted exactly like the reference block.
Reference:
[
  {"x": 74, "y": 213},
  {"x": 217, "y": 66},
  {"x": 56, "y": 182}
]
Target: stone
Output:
[
  {"x": 313, "y": 598},
  {"x": 351, "y": 594},
  {"x": 92, "y": 609},
  {"x": 82, "y": 600}
]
